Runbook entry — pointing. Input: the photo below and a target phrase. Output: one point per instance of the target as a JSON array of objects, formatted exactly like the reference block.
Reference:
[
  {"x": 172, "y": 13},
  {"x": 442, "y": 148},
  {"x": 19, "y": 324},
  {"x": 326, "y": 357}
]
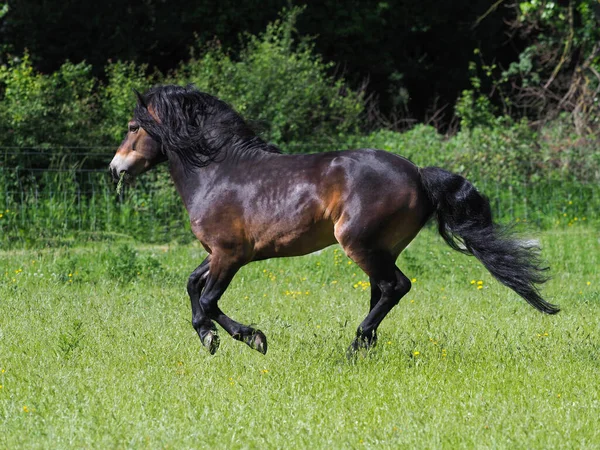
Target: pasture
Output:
[{"x": 97, "y": 351}]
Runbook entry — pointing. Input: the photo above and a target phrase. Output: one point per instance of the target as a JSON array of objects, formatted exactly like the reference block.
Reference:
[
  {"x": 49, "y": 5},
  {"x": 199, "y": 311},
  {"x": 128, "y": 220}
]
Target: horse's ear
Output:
[{"x": 140, "y": 99}]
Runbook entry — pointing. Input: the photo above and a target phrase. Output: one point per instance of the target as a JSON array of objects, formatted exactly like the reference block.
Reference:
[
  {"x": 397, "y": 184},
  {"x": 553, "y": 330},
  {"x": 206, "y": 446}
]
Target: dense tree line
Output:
[
  {"x": 399, "y": 61},
  {"x": 414, "y": 55}
]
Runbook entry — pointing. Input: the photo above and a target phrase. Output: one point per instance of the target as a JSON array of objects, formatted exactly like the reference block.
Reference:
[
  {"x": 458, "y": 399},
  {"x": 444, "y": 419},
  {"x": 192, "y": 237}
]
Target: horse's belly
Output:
[{"x": 281, "y": 242}]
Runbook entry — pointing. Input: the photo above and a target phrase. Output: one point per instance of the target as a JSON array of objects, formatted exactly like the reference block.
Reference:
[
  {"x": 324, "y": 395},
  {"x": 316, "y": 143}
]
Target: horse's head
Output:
[{"x": 137, "y": 153}]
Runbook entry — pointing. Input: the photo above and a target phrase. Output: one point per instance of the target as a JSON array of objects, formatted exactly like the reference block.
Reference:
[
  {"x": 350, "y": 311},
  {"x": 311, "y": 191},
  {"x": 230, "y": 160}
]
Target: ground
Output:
[{"x": 97, "y": 350}]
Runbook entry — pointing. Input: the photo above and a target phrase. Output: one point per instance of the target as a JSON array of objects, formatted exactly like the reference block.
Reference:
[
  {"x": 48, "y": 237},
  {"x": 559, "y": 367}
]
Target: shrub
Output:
[
  {"x": 280, "y": 82},
  {"x": 507, "y": 152},
  {"x": 117, "y": 98},
  {"x": 122, "y": 265},
  {"x": 39, "y": 110},
  {"x": 422, "y": 144}
]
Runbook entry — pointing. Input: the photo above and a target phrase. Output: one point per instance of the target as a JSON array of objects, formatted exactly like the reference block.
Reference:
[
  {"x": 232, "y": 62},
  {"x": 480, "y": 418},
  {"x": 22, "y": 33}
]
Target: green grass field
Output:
[{"x": 97, "y": 351}]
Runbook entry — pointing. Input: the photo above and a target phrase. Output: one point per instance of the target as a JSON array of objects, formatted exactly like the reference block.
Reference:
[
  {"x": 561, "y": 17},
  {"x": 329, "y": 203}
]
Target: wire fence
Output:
[{"x": 47, "y": 196}]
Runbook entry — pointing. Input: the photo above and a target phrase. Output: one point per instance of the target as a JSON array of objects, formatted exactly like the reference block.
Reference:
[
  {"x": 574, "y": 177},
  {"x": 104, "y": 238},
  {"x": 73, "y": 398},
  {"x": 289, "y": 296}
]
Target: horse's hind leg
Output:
[
  {"x": 375, "y": 297},
  {"x": 390, "y": 281}
]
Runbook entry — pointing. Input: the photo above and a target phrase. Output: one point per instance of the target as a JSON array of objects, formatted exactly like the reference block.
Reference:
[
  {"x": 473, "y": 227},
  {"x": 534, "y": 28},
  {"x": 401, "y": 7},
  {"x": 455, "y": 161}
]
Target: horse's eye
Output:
[{"x": 133, "y": 128}]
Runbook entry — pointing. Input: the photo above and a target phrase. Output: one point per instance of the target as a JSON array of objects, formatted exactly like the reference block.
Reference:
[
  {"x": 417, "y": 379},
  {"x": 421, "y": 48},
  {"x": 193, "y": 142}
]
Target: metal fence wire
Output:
[
  {"x": 75, "y": 194},
  {"x": 48, "y": 194}
]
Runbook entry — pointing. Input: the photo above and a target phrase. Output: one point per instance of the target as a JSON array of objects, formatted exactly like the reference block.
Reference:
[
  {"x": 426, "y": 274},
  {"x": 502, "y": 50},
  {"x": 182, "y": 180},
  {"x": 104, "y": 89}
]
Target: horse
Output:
[{"x": 248, "y": 201}]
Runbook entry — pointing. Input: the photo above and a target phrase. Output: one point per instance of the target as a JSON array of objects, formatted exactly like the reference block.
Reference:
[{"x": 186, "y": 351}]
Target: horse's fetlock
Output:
[{"x": 197, "y": 323}]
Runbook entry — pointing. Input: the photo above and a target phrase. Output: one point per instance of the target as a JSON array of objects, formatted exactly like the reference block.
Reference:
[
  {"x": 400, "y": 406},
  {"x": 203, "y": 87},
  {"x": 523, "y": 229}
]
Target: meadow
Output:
[{"x": 97, "y": 351}]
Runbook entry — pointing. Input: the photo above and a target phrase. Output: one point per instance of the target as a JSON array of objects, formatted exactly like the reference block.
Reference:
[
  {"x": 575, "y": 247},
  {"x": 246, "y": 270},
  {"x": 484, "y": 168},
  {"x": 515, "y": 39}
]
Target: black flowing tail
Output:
[{"x": 465, "y": 222}]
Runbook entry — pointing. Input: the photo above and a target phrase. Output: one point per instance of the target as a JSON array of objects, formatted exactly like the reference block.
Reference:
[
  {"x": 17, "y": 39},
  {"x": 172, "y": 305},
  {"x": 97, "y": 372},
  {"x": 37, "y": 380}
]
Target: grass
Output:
[{"x": 97, "y": 351}]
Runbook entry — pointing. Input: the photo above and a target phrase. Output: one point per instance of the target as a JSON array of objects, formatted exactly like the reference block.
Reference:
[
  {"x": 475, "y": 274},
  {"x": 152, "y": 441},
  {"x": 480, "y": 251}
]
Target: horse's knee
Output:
[
  {"x": 196, "y": 283},
  {"x": 191, "y": 285}
]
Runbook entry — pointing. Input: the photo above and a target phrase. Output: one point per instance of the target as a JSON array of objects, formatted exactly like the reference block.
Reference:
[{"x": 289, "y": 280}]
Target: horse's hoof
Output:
[
  {"x": 210, "y": 341},
  {"x": 358, "y": 348},
  {"x": 258, "y": 342}
]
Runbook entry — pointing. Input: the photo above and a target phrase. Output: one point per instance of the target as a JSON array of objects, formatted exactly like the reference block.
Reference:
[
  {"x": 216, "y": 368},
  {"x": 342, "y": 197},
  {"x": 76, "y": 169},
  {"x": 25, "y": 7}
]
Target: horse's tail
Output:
[{"x": 465, "y": 222}]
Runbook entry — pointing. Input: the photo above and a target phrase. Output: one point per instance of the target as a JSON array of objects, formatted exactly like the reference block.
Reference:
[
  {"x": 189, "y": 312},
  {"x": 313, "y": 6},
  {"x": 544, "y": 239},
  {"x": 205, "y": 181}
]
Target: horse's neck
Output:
[{"x": 190, "y": 183}]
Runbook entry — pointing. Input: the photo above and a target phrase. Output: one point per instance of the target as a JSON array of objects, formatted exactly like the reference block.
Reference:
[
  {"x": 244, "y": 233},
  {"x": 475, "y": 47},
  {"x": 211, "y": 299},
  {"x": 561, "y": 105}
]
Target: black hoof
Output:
[
  {"x": 257, "y": 341},
  {"x": 361, "y": 346},
  {"x": 210, "y": 341},
  {"x": 358, "y": 348}
]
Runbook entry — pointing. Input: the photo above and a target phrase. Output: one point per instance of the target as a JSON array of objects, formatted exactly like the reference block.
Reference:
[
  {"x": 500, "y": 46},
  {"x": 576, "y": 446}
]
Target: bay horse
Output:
[{"x": 247, "y": 202}]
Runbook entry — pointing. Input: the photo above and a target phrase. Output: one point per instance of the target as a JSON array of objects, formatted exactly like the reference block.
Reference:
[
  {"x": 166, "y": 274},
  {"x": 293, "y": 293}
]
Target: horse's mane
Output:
[{"x": 194, "y": 125}]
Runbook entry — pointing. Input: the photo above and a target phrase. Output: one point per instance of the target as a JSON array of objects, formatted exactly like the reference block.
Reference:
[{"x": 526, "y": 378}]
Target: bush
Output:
[
  {"x": 422, "y": 144},
  {"x": 506, "y": 152},
  {"x": 282, "y": 84},
  {"x": 117, "y": 98},
  {"x": 39, "y": 110},
  {"x": 277, "y": 81},
  {"x": 122, "y": 265}
]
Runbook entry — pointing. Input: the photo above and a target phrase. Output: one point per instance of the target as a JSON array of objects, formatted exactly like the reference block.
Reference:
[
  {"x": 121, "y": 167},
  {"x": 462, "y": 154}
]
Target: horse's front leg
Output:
[
  {"x": 220, "y": 273},
  {"x": 202, "y": 324}
]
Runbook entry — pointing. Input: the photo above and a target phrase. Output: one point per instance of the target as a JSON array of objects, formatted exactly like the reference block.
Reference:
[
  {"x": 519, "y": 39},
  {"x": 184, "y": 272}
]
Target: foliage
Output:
[
  {"x": 474, "y": 110},
  {"x": 116, "y": 97},
  {"x": 422, "y": 144},
  {"x": 558, "y": 71},
  {"x": 123, "y": 264},
  {"x": 528, "y": 174},
  {"x": 360, "y": 38},
  {"x": 502, "y": 152},
  {"x": 279, "y": 82},
  {"x": 63, "y": 101},
  {"x": 52, "y": 207}
]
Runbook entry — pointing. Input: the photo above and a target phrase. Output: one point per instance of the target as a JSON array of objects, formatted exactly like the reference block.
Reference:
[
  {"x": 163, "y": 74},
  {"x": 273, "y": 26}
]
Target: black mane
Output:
[{"x": 194, "y": 125}]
